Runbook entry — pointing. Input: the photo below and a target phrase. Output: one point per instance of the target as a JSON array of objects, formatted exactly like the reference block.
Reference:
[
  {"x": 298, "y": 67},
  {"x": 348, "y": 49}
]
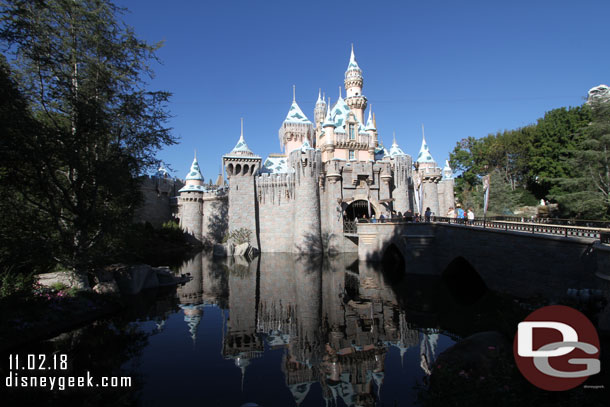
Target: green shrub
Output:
[
  {"x": 238, "y": 236},
  {"x": 13, "y": 283}
]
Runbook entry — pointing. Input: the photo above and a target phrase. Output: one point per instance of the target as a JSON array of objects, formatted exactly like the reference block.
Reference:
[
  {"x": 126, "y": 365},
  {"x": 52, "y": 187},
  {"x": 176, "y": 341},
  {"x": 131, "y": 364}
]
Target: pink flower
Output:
[{"x": 491, "y": 347}]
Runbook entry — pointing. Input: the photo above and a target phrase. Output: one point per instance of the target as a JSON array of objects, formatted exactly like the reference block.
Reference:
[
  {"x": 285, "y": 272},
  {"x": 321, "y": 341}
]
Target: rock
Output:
[
  {"x": 67, "y": 278},
  {"x": 107, "y": 287},
  {"x": 477, "y": 354},
  {"x": 242, "y": 249},
  {"x": 136, "y": 279},
  {"x": 600, "y": 92}
]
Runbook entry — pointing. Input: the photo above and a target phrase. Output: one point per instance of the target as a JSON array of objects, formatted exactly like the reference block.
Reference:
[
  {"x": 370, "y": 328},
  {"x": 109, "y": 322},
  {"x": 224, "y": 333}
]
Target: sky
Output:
[{"x": 461, "y": 69}]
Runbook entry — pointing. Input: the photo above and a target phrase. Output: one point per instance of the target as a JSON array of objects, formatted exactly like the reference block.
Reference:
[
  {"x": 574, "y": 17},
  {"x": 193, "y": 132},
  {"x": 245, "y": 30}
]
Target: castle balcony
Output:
[{"x": 361, "y": 142}]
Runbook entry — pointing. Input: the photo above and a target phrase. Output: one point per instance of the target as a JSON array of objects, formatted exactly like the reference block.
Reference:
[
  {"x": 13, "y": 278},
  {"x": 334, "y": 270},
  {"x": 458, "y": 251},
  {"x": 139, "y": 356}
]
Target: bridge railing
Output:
[
  {"x": 554, "y": 221},
  {"x": 351, "y": 226}
]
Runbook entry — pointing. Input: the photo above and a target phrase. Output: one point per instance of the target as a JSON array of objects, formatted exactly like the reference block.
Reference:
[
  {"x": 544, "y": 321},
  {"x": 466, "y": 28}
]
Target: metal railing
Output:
[
  {"x": 350, "y": 226},
  {"x": 554, "y": 221}
]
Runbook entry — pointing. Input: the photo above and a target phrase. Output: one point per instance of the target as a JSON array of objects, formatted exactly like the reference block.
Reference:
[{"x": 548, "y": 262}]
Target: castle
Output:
[{"x": 332, "y": 170}]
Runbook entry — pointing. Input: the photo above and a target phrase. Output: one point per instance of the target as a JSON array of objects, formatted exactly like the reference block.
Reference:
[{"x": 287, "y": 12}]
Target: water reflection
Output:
[{"x": 335, "y": 321}]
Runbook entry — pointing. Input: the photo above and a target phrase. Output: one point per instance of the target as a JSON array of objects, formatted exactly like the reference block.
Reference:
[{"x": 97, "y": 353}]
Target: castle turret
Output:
[
  {"x": 446, "y": 190},
  {"x": 428, "y": 175},
  {"x": 319, "y": 112},
  {"x": 371, "y": 129},
  {"x": 191, "y": 202},
  {"x": 353, "y": 88},
  {"x": 307, "y": 165},
  {"x": 296, "y": 128},
  {"x": 401, "y": 166},
  {"x": 241, "y": 166}
]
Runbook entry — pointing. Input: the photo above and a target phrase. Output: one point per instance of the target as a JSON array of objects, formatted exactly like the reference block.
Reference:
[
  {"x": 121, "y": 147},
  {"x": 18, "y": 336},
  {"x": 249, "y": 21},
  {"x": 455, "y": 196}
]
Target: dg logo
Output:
[{"x": 557, "y": 348}]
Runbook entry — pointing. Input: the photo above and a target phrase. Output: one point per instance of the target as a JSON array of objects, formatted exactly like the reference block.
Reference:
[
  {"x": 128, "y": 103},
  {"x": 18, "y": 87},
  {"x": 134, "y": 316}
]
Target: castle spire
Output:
[
  {"x": 424, "y": 155},
  {"x": 241, "y": 148}
]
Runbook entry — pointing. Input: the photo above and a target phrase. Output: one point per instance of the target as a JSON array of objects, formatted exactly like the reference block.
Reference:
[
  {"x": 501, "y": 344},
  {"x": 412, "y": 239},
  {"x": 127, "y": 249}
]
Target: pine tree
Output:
[{"x": 83, "y": 73}]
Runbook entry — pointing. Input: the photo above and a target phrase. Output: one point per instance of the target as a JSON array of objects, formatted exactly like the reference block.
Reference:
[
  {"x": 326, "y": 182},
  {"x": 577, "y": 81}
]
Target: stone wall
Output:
[
  {"x": 156, "y": 205},
  {"x": 276, "y": 212}
]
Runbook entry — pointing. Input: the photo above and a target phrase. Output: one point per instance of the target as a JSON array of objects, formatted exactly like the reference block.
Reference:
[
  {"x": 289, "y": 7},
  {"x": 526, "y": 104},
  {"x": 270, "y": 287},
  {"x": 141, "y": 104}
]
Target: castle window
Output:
[
  {"x": 352, "y": 132},
  {"x": 352, "y": 155}
]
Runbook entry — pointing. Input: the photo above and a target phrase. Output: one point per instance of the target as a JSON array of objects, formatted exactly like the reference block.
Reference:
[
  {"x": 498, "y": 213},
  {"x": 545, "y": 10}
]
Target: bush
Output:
[
  {"x": 238, "y": 236},
  {"x": 13, "y": 283}
]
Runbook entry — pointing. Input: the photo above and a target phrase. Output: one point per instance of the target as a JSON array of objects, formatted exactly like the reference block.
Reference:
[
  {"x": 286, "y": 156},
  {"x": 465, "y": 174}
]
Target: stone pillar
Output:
[{"x": 402, "y": 174}]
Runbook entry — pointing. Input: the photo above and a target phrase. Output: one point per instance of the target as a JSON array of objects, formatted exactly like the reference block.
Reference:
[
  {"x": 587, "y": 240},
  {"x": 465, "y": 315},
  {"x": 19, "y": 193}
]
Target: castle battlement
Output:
[{"x": 275, "y": 189}]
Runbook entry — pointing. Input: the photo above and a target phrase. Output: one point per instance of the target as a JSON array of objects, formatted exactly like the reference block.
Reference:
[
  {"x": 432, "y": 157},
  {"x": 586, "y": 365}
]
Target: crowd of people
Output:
[{"x": 459, "y": 215}]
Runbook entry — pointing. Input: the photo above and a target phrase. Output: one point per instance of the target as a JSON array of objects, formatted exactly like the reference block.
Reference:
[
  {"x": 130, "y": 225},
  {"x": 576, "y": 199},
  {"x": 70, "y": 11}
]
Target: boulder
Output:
[
  {"x": 67, "y": 278},
  {"x": 107, "y": 287},
  {"x": 477, "y": 355},
  {"x": 242, "y": 249},
  {"x": 137, "y": 278}
]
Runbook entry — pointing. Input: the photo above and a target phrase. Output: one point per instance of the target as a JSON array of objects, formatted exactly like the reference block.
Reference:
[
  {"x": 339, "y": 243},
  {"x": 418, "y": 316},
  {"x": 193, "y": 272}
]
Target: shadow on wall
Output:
[
  {"x": 317, "y": 244},
  {"x": 218, "y": 223},
  {"x": 463, "y": 282}
]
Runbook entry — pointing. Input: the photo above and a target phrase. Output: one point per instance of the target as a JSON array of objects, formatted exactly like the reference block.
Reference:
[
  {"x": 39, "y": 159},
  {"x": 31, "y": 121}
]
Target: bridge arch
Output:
[{"x": 463, "y": 282}]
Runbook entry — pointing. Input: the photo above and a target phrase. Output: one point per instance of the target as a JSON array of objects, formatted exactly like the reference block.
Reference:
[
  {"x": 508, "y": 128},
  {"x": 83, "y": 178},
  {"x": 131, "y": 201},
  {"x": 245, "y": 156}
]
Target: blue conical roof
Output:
[
  {"x": 296, "y": 115},
  {"x": 353, "y": 65},
  {"x": 195, "y": 172},
  {"x": 395, "y": 150},
  {"x": 424, "y": 155}
]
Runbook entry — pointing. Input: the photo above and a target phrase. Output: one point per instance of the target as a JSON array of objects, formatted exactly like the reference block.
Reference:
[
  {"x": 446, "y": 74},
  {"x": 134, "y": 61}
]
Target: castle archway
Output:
[{"x": 359, "y": 209}]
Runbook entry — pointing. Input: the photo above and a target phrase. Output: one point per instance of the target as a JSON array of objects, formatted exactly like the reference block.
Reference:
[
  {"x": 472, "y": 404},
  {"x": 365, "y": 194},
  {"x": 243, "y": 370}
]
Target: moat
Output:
[{"x": 284, "y": 330}]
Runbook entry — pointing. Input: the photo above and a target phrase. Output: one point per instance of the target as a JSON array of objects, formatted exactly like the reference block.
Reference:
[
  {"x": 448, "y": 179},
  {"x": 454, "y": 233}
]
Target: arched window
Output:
[{"x": 352, "y": 132}]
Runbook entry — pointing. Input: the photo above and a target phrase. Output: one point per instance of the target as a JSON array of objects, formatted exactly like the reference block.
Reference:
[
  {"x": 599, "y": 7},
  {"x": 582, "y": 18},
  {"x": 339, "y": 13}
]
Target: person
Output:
[
  {"x": 460, "y": 214},
  {"x": 427, "y": 214},
  {"x": 373, "y": 219},
  {"x": 470, "y": 216},
  {"x": 451, "y": 213},
  {"x": 381, "y": 218},
  {"x": 409, "y": 215}
]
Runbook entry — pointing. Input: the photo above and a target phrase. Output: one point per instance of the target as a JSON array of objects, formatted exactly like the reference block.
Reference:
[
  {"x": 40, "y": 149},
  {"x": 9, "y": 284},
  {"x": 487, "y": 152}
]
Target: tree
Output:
[
  {"x": 83, "y": 75},
  {"x": 587, "y": 193}
]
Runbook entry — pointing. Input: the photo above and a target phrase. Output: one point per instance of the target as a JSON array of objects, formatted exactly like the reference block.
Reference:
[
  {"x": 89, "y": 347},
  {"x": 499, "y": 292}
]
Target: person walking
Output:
[
  {"x": 427, "y": 214},
  {"x": 451, "y": 214}
]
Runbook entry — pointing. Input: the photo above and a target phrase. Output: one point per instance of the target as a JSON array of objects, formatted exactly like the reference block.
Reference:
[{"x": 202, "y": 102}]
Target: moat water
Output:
[{"x": 283, "y": 331}]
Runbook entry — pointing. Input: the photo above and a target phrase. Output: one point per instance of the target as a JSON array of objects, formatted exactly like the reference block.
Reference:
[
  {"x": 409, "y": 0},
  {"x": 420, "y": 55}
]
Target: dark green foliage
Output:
[
  {"x": 533, "y": 162},
  {"x": 586, "y": 194},
  {"x": 72, "y": 163}
]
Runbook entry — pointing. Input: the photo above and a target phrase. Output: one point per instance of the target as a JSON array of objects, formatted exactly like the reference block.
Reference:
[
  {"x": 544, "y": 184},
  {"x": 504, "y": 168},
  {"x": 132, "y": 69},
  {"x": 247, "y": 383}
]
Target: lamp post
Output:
[{"x": 486, "y": 184}]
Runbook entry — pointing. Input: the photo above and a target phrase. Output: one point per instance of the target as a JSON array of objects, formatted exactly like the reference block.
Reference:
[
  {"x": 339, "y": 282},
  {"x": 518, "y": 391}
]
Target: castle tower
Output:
[
  {"x": 241, "y": 166},
  {"x": 401, "y": 167},
  {"x": 353, "y": 88},
  {"x": 371, "y": 129},
  {"x": 428, "y": 176},
  {"x": 307, "y": 165},
  {"x": 296, "y": 128},
  {"x": 191, "y": 202},
  {"x": 319, "y": 112},
  {"x": 446, "y": 195}
]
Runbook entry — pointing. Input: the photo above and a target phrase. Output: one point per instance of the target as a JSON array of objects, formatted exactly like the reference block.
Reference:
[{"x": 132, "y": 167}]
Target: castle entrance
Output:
[{"x": 359, "y": 209}]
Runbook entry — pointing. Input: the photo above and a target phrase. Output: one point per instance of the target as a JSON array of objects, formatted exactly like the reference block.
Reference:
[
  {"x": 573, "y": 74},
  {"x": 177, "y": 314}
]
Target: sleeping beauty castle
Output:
[{"x": 332, "y": 170}]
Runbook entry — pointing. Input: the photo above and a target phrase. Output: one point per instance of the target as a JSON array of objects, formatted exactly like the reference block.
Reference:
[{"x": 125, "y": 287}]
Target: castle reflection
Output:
[{"x": 336, "y": 320}]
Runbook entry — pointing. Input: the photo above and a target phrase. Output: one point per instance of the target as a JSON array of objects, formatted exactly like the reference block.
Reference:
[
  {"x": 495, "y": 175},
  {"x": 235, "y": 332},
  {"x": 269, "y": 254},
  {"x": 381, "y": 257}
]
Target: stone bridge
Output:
[{"x": 520, "y": 263}]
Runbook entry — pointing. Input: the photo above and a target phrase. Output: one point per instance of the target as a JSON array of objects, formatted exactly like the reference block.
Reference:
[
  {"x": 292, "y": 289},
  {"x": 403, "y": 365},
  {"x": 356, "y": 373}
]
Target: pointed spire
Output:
[
  {"x": 340, "y": 89},
  {"x": 369, "y": 122},
  {"x": 241, "y": 148},
  {"x": 294, "y": 93},
  {"x": 447, "y": 171},
  {"x": 195, "y": 172},
  {"x": 320, "y": 100},
  {"x": 328, "y": 120},
  {"x": 424, "y": 155},
  {"x": 395, "y": 150}
]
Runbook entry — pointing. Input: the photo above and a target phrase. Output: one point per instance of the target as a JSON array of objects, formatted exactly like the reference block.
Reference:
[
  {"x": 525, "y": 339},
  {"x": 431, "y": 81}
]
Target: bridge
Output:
[{"x": 522, "y": 258}]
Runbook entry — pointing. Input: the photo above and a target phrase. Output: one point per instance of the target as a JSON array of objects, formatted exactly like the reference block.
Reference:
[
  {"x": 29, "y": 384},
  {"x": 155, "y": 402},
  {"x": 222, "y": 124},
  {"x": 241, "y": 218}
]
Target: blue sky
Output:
[{"x": 463, "y": 69}]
